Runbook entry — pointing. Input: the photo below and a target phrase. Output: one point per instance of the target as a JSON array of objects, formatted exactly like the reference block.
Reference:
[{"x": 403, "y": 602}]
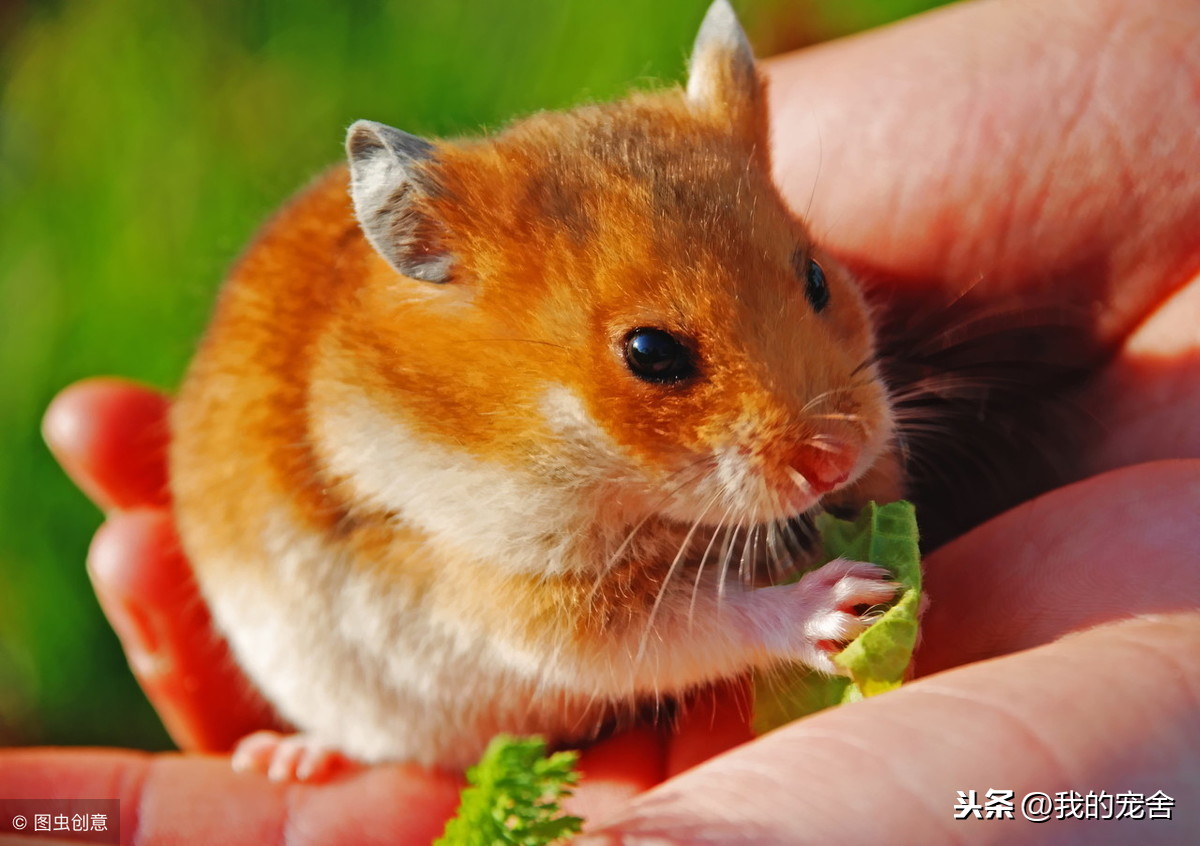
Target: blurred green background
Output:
[{"x": 141, "y": 143}]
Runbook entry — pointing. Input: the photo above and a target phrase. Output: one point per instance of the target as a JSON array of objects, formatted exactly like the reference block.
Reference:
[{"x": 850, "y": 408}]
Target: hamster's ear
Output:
[
  {"x": 722, "y": 75},
  {"x": 386, "y": 184}
]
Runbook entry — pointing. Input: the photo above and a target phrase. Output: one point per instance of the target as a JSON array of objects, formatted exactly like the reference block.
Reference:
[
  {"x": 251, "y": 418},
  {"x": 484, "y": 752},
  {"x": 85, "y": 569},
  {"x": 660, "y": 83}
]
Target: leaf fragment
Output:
[{"x": 875, "y": 661}]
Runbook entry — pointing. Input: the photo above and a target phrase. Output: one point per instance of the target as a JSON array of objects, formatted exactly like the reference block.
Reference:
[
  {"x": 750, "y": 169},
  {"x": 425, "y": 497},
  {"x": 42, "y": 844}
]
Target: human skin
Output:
[{"x": 1029, "y": 151}]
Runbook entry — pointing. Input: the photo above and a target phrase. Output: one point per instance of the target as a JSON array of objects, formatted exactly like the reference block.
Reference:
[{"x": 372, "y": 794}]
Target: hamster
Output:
[{"x": 514, "y": 434}]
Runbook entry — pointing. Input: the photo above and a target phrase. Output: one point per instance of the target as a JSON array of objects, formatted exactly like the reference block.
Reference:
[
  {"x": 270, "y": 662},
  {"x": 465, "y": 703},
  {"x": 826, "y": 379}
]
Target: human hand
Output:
[
  {"x": 104, "y": 430},
  {"x": 896, "y": 211}
]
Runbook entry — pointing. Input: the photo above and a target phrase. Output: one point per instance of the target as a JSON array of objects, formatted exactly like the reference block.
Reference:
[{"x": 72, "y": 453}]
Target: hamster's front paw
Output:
[
  {"x": 829, "y": 609},
  {"x": 287, "y": 757}
]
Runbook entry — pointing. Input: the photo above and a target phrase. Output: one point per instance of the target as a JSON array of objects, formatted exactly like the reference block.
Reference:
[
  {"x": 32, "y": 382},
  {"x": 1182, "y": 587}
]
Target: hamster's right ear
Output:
[
  {"x": 386, "y": 185},
  {"x": 722, "y": 76}
]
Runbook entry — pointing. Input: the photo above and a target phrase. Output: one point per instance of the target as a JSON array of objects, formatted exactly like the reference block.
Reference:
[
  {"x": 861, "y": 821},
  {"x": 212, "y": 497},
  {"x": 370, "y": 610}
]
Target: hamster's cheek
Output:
[
  {"x": 456, "y": 500},
  {"x": 633, "y": 482},
  {"x": 579, "y": 453},
  {"x": 567, "y": 418}
]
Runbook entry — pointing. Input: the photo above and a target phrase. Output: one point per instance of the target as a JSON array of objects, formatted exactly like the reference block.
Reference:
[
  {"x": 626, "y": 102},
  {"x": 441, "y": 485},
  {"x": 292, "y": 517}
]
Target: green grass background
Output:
[{"x": 141, "y": 143}]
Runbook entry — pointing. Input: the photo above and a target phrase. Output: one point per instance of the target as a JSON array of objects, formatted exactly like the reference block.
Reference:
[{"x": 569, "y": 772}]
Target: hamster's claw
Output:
[
  {"x": 832, "y": 596},
  {"x": 287, "y": 757}
]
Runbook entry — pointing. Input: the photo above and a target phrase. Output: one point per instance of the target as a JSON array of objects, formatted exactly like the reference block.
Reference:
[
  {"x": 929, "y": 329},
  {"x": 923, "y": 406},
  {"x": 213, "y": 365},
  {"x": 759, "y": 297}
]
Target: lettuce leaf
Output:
[
  {"x": 876, "y": 660},
  {"x": 513, "y": 797}
]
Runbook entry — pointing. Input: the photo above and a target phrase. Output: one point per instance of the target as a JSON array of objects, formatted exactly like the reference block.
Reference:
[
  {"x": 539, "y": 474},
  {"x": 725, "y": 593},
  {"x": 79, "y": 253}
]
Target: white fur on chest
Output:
[
  {"x": 354, "y": 661},
  {"x": 364, "y": 667}
]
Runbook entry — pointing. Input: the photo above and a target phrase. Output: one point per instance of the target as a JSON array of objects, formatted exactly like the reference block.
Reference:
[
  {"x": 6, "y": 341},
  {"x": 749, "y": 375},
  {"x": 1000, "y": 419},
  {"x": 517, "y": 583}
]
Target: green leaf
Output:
[
  {"x": 876, "y": 660},
  {"x": 513, "y": 797}
]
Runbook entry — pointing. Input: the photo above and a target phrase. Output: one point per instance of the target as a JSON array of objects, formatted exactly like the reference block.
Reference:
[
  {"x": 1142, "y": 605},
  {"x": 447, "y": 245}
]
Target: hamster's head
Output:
[{"x": 613, "y": 311}]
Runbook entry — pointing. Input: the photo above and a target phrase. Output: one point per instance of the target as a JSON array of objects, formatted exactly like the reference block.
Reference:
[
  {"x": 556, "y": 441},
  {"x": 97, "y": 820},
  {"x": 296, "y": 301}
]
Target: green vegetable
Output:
[
  {"x": 513, "y": 797},
  {"x": 877, "y": 659}
]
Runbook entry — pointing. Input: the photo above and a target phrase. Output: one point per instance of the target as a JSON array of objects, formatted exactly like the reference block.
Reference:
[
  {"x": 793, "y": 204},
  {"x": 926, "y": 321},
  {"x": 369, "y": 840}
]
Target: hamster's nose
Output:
[{"x": 825, "y": 463}]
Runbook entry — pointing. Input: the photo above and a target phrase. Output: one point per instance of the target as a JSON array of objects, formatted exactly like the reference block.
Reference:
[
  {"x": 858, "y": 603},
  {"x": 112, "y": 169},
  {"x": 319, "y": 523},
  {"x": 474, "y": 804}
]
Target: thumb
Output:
[
  {"x": 146, "y": 588},
  {"x": 1110, "y": 709}
]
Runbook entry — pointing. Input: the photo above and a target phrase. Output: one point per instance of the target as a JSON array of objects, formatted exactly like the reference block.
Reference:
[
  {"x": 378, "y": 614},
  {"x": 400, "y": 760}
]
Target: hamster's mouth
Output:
[
  {"x": 731, "y": 490},
  {"x": 752, "y": 555}
]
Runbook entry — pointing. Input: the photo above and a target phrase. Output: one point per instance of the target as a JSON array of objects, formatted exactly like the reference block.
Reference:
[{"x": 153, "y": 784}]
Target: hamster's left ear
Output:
[
  {"x": 389, "y": 184},
  {"x": 722, "y": 77}
]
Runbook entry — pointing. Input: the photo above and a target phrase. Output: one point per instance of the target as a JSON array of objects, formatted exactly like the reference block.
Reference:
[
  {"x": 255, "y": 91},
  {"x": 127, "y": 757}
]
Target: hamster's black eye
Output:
[
  {"x": 657, "y": 356},
  {"x": 814, "y": 286}
]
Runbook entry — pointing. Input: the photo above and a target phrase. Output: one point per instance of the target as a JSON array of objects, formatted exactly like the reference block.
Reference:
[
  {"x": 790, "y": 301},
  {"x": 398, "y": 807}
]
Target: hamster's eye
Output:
[
  {"x": 814, "y": 286},
  {"x": 657, "y": 356}
]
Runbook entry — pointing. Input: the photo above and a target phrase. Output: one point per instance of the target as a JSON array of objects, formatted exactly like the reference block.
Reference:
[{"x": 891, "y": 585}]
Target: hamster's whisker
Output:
[
  {"x": 757, "y": 553},
  {"x": 788, "y": 549},
  {"x": 662, "y": 588},
  {"x": 717, "y": 531},
  {"x": 799, "y": 533},
  {"x": 747, "y": 551},
  {"x": 770, "y": 540},
  {"x": 947, "y": 385},
  {"x": 804, "y": 521},
  {"x": 801, "y": 526},
  {"x": 682, "y": 480},
  {"x": 812, "y": 194},
  {"x": 537, "y": 341},
  {"x": 861, "y": 378},
  {"x": 749, "y": 565},
  {"x": 856, "y": 420},
  {"x": 853, "y": 418},
  {"x": 772, "y": 547},
  {"x": 791, "y": 547},
  {"x": 919, "y": 432},
  {"x": 821, "y": 397},
  {"x": 726, "y": 559},
  {"x": 867, "y": 362},
  {"x": 801, "y": 482}
]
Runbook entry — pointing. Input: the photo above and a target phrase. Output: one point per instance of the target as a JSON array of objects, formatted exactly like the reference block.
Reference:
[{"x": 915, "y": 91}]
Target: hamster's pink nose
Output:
[{"x": 825, "y": 463}]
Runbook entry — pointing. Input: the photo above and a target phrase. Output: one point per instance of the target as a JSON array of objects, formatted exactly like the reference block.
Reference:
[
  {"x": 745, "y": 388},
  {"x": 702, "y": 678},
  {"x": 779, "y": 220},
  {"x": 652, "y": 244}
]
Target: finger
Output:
[
  {"x": 711, "y": 722},
  {"x": 617, "y": 769},
  {"x": 1145, "y": 402},
  {"x": 1109, "y": 547},
  {"x": 1113, "y": 709},
  {"x": 111, "y": 438},
  {"x": 146, "y": 589},
  {"x": 956, "y": 148},
  {"x": 200, "y": 800}
]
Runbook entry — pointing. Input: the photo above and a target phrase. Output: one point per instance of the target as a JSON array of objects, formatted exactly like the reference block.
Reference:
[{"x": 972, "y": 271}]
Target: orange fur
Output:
[{"x": 568, "y": 230}]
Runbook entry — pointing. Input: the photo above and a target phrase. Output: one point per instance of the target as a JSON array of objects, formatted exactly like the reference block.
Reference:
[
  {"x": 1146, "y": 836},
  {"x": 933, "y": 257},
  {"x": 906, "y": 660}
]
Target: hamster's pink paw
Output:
[
  {"x": 833, "y": 603},
  {"x": 287, "y": 757}
]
